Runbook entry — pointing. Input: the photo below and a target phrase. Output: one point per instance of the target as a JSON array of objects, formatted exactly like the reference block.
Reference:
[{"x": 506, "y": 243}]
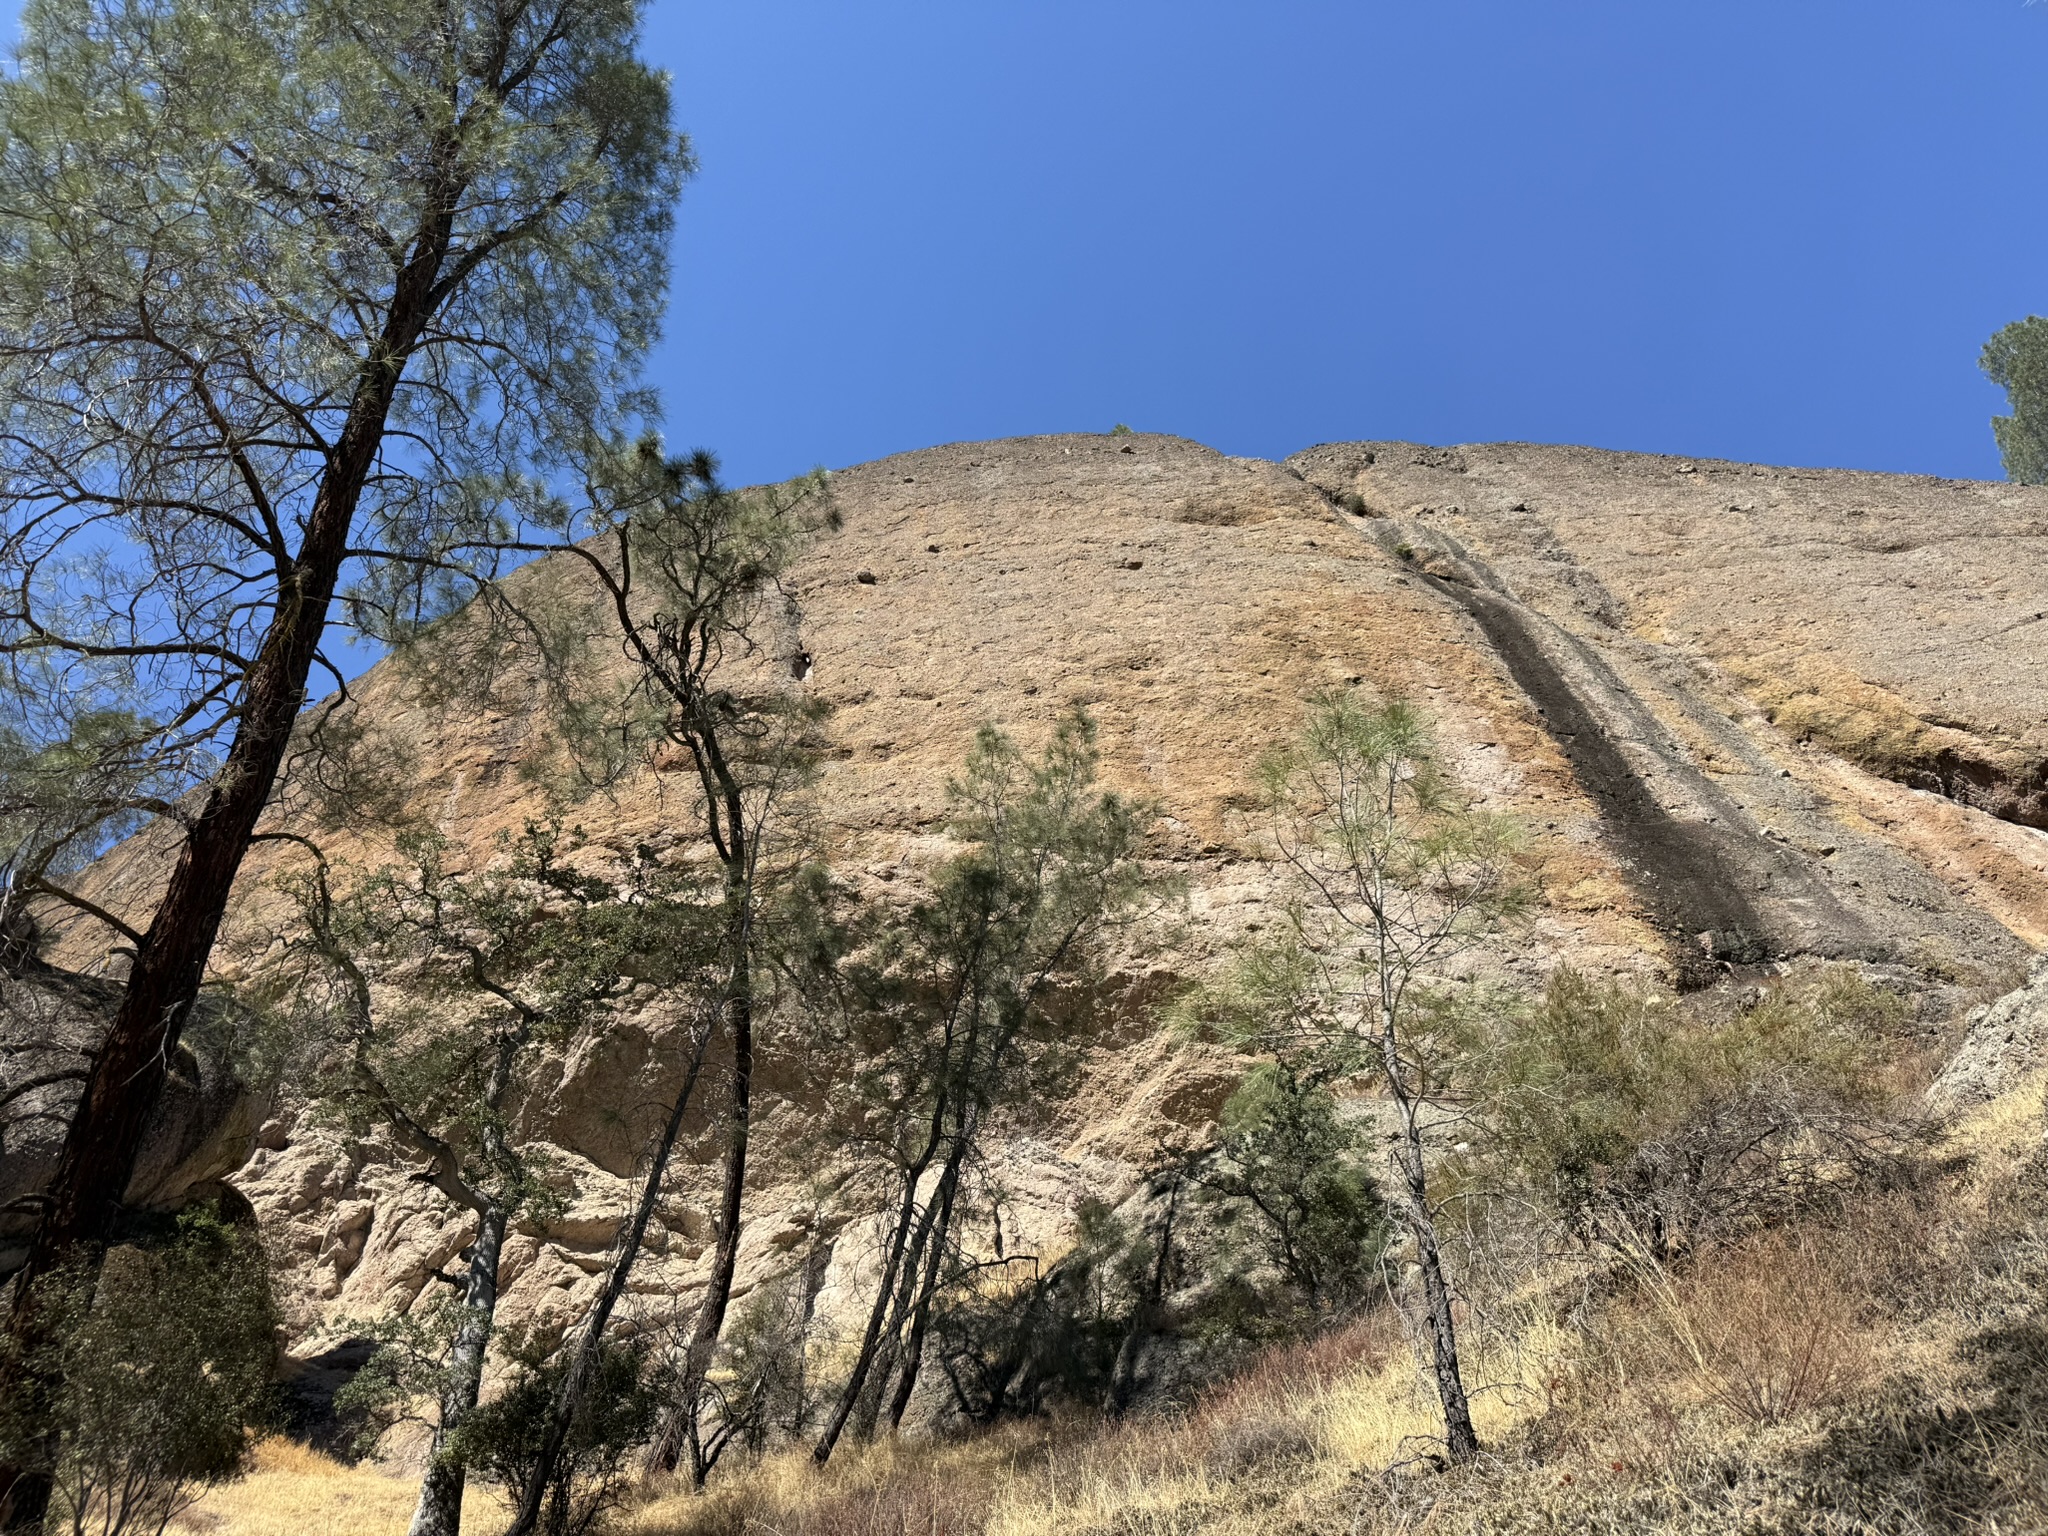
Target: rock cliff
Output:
[{"x": 1747, "y": 714}]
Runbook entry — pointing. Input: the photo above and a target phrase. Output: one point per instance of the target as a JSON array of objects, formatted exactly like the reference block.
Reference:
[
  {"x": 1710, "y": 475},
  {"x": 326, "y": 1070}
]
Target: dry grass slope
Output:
[{"x": 1881, "y": 1368}]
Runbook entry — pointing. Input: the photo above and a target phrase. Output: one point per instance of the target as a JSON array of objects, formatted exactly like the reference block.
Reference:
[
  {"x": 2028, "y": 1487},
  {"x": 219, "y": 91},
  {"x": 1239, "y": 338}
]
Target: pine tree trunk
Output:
[
  {"x": 439, "y": 1512},
  {"x": 870, "y": 1344},
  {"x": 127, "y": 1073},
  {"x": 680, "y": 1432},
  {"x": 1461, "y": 1440},
  {"x": 910, "y": 1356},
  {"x": 902, "y": 1256},
  {"x": 583, "y": 1362}
]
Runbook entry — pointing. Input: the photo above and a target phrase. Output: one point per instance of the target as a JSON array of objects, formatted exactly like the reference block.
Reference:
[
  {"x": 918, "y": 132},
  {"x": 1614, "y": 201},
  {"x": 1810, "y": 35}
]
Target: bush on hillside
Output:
[
  {"x": 1655, "y": 1127},
  {"x": 1287, "y": 1181},
  {"x": 503, "y": 1437},
  {"x": 1022, "y": 1336},
  {"x": 164, "y": 1368}
]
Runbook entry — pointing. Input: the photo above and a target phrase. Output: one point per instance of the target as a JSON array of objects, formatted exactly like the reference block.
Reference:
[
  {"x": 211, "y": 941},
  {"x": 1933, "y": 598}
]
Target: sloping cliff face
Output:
[
  {"x": 1747, "y": 715},
  {"x": 1889, "y": 627}
]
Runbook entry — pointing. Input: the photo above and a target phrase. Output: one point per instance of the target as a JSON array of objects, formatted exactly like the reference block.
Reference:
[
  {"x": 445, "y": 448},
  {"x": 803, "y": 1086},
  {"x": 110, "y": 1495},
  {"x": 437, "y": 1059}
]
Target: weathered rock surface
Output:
[
  {"x": 1894, "y": 624},
  {"x": 205, "y": 1126},
  {"x": 2004, "y": 1042},
  {"x": 1746, "y": 714}
]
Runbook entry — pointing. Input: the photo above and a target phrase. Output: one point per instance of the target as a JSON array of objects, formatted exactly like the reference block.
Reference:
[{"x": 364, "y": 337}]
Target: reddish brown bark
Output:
[{"x": 127, "y": 1074}]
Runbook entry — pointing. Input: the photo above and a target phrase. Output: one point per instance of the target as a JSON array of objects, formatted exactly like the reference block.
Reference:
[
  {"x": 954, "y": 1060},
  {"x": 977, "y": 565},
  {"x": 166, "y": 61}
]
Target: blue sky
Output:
[{"x": 1776, "y": 231}]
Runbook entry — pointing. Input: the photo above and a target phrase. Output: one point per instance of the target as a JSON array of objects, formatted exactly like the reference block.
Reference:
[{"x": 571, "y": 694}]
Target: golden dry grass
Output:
[
  {"x": 293, "y": 1490},
  {"x": 1842, "y": 1375}
]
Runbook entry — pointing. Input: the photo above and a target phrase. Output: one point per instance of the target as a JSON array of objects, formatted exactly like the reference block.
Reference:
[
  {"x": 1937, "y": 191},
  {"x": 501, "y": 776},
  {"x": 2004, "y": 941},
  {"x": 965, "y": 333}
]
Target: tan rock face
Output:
[{"x": 1601, "y": 640}]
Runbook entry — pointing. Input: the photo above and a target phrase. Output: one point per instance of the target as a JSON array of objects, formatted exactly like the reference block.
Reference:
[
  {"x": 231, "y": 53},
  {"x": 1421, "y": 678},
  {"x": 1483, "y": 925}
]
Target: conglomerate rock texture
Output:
[{"x": 1747, "y": 715}]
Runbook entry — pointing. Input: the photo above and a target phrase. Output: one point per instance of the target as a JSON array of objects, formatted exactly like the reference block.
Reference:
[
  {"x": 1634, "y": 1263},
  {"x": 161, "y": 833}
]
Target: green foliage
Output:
[
  {"x": 970, "y": 1001},
  {"x": 961, "y": 1001},
  {"x": 503, "y": 1437},
  {"x": 1287, "y": 1165},
  {"x": 693, "y": 574},
  {"x": 2016, "y": 360},
  {"x": 1398, "y": 876},
  {"x": 237, "y": 235},
  {"x": 164, "y": 1374},
  {"x": 1120, "y": 430},
  {"x": 1651, "y": 1124},
  {"x": 1268, "y": 999},
  {"x": 437, "y": 990},
  {"x": 56, "y": 788},
  {"x": 761, "y": 1385},
  {"x": 409, "y": 1366}
]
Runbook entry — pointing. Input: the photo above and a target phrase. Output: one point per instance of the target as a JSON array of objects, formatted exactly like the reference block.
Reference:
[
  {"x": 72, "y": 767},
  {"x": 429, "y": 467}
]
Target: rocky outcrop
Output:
[
  {"x": 1676, "y": 675},
  {"x": 2004, "y": 1043},
  {"x": 1896, "y": 624},
  {"x": 206, "y": 1123}
]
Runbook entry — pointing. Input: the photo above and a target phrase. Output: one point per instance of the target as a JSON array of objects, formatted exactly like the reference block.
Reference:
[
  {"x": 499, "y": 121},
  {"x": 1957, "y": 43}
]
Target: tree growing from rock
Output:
[
  {"x": 2016, "y": 360},
  {"x": 291, "y": 296}
]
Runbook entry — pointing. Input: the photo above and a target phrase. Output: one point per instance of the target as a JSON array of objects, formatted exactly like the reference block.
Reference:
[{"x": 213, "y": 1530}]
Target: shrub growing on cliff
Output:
[{"x": 2016, "y": 360}]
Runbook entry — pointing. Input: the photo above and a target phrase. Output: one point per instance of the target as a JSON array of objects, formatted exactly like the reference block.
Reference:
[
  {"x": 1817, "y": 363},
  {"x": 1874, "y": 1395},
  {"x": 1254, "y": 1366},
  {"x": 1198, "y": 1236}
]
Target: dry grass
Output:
[
  {"x": 293, "y": 1490},
  {"x": 1285, "y": 1438},
  {"x": 1880, "y": 1369}
]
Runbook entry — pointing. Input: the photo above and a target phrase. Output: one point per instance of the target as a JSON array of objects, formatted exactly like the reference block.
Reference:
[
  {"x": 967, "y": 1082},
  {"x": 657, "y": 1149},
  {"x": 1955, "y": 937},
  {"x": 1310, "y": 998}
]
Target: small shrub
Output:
[
  {"x": 1767, "y": 1329},
  {"x": 165, "y": 1369},
  {"x": 503, "y": 1437},
  {"x": 1254, "y": 1444},
  {"x": 1287, "y": 1175},
  {"x": 760, "y": 1387},
  {"x": 407, "y": 1369},
  {"x": 1650, "y": 1125}
]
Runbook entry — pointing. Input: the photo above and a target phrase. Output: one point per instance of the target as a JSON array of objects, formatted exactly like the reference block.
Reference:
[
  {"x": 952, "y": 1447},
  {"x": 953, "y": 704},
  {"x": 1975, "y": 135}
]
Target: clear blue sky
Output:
[{"x": 1763, "y": 229}]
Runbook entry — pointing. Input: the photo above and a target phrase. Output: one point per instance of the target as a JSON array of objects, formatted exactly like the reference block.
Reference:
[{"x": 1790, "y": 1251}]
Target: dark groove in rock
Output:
[{"x": 1685, "y": 872}]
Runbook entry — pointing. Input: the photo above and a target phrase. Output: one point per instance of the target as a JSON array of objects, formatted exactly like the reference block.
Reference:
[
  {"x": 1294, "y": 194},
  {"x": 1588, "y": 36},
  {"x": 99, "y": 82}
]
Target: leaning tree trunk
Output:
[
  {"x": 878, "y": 1314},
  {"x": 910, "y": 1354},
  {"x": 583, "y": 1361},
  {"x": 439, "y": 1512},
  {"x": 1461, "y": 1440},
  {"x": 127, "y": 1073},
  {"x": 1123, "y": 1375}
]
